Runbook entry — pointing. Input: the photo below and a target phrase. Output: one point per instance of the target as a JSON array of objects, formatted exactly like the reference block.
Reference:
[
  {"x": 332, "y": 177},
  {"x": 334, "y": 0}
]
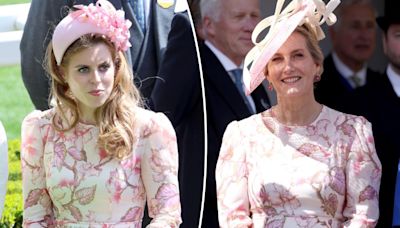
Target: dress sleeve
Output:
[
  {"x": 37, "y": 202},
  {"x": 231, "y": 178},
  {"x": 363, "y": 173},
  {"x": 160, "y": 173},
  {"x": 3, "y": 166}
]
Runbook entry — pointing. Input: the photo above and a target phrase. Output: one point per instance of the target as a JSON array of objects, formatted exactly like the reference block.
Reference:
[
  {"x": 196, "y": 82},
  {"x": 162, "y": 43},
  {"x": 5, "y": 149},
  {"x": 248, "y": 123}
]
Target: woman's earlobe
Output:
[{"x": 317, "y": 78}]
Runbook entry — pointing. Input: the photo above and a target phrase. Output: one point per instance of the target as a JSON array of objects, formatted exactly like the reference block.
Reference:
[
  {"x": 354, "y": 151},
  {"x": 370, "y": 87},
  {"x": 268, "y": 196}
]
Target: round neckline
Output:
[{"x": 270, "y": 114}]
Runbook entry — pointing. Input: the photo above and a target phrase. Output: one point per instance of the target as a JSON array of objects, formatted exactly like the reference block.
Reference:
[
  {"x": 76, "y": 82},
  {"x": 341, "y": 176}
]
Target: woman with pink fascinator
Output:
[
  {"x": 97, "y": 157},
  {"x": 300, "y": 163}
]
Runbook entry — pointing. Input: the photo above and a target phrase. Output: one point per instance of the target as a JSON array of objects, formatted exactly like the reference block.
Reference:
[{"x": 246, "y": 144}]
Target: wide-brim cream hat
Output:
[{"x": 282, "y": 24}]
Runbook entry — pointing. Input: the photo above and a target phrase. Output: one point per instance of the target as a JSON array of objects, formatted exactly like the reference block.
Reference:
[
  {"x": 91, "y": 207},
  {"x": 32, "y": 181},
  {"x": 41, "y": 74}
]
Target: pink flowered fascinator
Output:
[
  {"x": 282, "y": 24},
  {"x": 101, "y": 18}
]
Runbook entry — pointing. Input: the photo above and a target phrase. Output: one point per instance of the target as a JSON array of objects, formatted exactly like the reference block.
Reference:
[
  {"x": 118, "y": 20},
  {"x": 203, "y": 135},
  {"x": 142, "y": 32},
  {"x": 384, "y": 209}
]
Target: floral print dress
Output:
[
  {"x": 325, "y": 174},
  {"x": 69, "y": 182}
]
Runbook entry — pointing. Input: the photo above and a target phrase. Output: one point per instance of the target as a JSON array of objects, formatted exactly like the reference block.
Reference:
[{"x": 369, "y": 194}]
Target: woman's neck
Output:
[
  {"x": 87, "y": 118},
  {"x": 297, "y": 113}
]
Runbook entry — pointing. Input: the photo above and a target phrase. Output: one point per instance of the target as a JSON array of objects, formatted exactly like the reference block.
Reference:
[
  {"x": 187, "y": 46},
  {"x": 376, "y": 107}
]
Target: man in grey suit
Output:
[{"x": 146, "y": 53}]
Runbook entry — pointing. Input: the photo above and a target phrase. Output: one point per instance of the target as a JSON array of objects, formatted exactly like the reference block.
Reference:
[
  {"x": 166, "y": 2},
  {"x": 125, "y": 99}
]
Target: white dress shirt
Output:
[
  {"x": 3, "y": 166},
  {"x": 347, "y": 72},
  {"x": 394, "y": 79}
]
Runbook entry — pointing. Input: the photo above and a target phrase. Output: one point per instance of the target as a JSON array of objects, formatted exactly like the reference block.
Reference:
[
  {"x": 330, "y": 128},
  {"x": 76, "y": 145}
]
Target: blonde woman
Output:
[
  {"x": 96, "y": 157},
  {"x": 300, "y": 163}
]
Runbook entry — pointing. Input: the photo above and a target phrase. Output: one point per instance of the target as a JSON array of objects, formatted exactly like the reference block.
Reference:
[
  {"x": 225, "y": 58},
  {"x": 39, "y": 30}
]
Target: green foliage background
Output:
[
  {"x": 14, "y": 106},
  {"x": 12, "y": 213}
]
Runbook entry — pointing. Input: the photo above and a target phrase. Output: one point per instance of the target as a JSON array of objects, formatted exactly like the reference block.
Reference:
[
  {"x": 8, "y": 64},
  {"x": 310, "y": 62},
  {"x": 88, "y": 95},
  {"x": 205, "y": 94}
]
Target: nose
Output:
[
  {"x": 288, "y": 67},
  {"x": 95, "y": 77},
  {"x": 250, "y": 23}
]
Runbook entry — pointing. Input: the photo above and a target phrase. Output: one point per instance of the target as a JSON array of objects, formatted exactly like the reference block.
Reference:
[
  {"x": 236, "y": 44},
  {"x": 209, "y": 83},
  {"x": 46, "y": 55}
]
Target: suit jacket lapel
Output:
[
  {"x": 219, "y": 80},
  {"x": 160, "y": 28},
  {"x": 137, "y": 36},
  {"x": 260, "y": 98}
]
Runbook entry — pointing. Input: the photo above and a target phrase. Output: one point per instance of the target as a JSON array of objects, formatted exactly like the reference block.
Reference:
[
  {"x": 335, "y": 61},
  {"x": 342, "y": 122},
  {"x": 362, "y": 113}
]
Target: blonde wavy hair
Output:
[{"x": 116, "y": 117}]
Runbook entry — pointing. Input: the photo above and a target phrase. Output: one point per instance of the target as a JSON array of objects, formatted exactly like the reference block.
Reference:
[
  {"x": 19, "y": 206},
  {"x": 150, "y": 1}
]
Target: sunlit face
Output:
[
  {"x": 391, "y": 46},
  {"x": 90, "y": 76},
  {"x": 354, "y": 38},
  {"x": 231, "y": 33},
  {"x": 292, "y": 69}
]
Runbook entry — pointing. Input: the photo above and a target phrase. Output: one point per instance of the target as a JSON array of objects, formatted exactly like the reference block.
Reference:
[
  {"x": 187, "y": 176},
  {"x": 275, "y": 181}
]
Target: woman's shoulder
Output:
[
  {"x": 341, "y": 117},
  {"x": 37, "y": 116},
  {"x": 148, "y": 119},
  {"x": 247, "y": 125},
  {"x": 146, "y": 116}
]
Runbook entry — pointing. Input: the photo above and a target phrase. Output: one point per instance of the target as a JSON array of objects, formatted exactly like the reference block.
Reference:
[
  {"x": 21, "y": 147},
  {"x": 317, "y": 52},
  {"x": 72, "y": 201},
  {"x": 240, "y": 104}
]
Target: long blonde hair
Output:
[{"x": 116, "y": 117}]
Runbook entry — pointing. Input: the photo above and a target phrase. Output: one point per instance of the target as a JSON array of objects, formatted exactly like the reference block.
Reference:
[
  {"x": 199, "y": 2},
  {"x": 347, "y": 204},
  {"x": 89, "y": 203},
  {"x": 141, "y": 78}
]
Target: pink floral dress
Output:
[
  {"x": 69, "y": 182},
  {"x": 326, "y": 174}
]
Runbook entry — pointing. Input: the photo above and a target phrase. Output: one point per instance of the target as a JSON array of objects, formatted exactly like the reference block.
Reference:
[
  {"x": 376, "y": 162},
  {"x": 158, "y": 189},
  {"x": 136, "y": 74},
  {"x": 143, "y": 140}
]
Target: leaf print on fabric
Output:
[
  {"x": 278, "y": 196},
  {"x": 369, "y": 193},
  {"x": 337, "y": 180},
  {"x": 160, "y": 165},
  {"x": 314, "y": 151},
  {"x": 275, "y": 222},
  {"x": 305, "y": 221},
  {"x": 330, "y": 205},
  {"x": 133, "y": 214},
  {"x": 75, "y": 212},
  {"x": 117, "y": 184},
  {"x": 79, "y": 155},
  {"x": 30, "y": 151},
  {"x": 148, "y": 130},
  {"x": 59, "y": 152},
  {"x": 270, "y": 211},
  {"x": 347, "y": 129},
  {"x": 85, "y": 195},
  {"x": 319, "y": 129},
  {"x": 166, "y": 199},
  {"x": 33, "y": 197}
]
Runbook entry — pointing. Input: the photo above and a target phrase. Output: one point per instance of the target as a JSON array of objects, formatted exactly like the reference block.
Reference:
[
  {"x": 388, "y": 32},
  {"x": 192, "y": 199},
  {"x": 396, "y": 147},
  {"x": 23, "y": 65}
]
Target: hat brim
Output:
[
  {"x": 384, "y": 22},
  {"x": 259, "y": 56}
]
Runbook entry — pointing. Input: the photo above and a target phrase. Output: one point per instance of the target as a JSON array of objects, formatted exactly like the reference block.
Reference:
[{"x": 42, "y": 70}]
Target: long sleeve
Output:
[
  {"x": 3, "y": 166},
  {"x": 231, "y": 179},
  {"x": 160, "y": 173},
  {"x": 37, "y": 202},
  {"x": 363, "y": 173}
]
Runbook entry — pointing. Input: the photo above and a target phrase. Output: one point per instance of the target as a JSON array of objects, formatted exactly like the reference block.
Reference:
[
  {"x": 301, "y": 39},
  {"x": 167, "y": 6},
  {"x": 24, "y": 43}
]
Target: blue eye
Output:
[
  {"x": 83, "y": 69},
  {"x": 104, "y": 67}
]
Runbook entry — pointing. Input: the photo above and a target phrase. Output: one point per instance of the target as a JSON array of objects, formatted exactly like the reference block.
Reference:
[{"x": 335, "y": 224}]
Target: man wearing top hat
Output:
[{"x": 380, "y": 104}]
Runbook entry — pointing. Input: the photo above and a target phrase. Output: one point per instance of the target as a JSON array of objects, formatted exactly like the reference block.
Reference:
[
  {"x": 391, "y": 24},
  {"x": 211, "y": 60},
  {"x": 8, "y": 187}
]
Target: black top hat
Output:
[{"x": 392, "y": 14}]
